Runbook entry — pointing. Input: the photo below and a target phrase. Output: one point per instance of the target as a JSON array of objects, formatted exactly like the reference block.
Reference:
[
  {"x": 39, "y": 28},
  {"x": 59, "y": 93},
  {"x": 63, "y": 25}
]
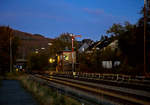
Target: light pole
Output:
[
  {"x": 145, "y": 36},
  {"x": 10, "y": 46},
  {"x": 73, "y": 38}
]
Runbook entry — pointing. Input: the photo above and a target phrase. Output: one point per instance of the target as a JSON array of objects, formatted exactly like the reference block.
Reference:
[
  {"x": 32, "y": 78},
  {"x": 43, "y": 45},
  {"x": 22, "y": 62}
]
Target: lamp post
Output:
[{"x": 73, "y": 38}]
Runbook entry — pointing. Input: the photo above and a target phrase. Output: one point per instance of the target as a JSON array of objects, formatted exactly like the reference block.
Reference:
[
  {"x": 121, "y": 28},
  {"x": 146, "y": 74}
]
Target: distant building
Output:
[
  {"x": 99, "y": 45},
  {"x": 103, "y": 45},
  {"x": 85, "y": 44},
  {"x": 110, "y": 64},
  {"x": 113, "y": 45},
  {"x": 83, "y": 47}
]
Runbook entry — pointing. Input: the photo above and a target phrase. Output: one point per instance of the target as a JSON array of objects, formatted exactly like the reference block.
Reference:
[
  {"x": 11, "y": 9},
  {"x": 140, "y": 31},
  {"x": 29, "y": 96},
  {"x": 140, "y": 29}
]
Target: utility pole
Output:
[
  {"x": 10, "y": 46},
  {"x": 145, "y": 36}
]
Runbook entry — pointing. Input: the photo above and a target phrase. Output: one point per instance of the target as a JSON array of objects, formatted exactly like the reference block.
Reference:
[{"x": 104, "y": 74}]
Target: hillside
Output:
[{"x": 30, "y": 42}]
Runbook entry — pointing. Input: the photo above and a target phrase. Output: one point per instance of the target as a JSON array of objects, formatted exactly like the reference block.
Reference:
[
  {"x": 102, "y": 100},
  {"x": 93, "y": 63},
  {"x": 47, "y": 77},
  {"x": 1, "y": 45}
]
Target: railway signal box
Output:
[{"x": 65, "y": 60}]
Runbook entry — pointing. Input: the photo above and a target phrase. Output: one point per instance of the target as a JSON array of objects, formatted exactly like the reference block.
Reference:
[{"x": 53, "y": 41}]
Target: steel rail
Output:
[{"x": 98, "y": 91}]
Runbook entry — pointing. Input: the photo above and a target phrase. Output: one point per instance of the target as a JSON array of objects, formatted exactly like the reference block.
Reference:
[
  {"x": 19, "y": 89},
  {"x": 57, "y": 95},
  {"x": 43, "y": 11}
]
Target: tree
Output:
[
  {"x": 130, "y": 39},
  {"x": 63, "y": 42},
  {"x": 86, "y": 62},
  {"x": 115, "y": 30},
  {"x": 39, "y": 61},
  {"x": 6, "y": 34}
]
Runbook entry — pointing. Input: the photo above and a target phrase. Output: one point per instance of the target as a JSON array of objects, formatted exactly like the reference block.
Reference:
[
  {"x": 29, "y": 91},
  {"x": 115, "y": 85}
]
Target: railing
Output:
[{"x": 118, "y": 77}]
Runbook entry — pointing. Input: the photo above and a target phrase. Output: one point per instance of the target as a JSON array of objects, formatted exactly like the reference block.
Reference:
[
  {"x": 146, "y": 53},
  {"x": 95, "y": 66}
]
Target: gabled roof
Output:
[
  {"x": 100, "y": 44},
  {"x": 103, "y": 44},
  {"x": 84, "y": 46},
  {"x": 94, "y": 45}
]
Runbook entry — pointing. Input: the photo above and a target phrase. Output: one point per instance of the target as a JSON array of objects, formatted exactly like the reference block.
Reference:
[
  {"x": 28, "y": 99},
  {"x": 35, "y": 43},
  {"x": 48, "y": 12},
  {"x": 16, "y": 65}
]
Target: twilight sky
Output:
[{"x": 90, "y": 18}]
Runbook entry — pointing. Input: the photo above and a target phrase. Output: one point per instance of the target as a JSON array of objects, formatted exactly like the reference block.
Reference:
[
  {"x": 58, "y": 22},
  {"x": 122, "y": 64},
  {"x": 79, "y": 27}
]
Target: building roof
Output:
[{"x": 100, "y": 44}]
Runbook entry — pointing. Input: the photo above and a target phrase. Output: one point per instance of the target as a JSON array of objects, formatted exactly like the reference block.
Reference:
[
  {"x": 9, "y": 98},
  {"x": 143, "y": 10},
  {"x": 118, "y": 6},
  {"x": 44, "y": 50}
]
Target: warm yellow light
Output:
[
  {"x": 51, "y": 60},
  {"x": 17, "y": 70},
  {"x": 36, "y": 52},
  {"x": 66, "y": 58}
]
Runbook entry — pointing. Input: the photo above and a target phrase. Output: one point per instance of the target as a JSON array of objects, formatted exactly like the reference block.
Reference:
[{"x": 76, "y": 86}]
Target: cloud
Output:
[
  {"x": 99, "y": 16},
  {"x": 93, "y": 11}
]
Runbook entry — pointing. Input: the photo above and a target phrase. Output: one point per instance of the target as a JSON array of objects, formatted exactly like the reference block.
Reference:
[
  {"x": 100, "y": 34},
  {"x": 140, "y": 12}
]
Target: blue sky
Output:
[{"x": 90, "y": 18}]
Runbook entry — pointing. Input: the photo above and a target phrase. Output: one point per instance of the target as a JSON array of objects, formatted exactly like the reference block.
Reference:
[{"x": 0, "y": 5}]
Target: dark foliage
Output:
[{"x": 6, "y": 34}]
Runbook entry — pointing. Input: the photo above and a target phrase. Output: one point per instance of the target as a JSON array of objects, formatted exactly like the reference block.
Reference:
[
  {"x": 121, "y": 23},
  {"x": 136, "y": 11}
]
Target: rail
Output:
[{"x": 130, "y": 99}]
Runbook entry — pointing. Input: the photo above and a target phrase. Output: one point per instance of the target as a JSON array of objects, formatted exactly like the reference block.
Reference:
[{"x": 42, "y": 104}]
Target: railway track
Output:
[
  {"x": 121, "y": 95},
  {"x": 125, "y": 91},
  {"x": 140, "y": 85}
]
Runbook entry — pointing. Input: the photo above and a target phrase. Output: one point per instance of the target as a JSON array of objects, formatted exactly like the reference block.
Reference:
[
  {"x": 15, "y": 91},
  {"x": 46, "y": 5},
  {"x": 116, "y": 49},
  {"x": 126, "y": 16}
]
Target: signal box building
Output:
[{"x": 65, "y": 60}]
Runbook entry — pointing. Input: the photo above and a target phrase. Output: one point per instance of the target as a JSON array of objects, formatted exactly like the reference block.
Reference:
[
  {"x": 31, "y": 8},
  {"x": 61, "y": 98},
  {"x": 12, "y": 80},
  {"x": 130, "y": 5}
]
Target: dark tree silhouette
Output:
[{"x": 6, "y": 34}]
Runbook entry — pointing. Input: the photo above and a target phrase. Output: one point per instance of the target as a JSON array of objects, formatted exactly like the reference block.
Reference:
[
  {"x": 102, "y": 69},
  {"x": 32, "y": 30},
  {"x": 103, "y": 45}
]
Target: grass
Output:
[
  {"x": 46, "y": 95},
  {"x": 12, "y": 75}
]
